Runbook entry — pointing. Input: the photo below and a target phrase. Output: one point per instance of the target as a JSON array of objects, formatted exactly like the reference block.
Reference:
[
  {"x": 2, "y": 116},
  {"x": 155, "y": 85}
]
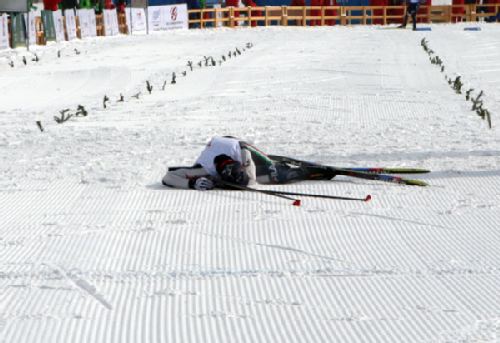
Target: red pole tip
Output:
[
  {"x": 368, "y": 197},
  {"x": 296, "y": 202}
]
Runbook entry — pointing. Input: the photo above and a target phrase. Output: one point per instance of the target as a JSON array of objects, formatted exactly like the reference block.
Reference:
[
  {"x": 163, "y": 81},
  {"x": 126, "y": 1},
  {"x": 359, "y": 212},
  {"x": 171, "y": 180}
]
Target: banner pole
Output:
[
  {"x": 147, "y": 17},
  {"x": 28, "y": 25},
  {"x": 131, "y": 22}
]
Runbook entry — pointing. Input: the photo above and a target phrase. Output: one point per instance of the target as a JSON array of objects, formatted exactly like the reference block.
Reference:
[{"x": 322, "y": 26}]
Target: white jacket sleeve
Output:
[{"x": 180, "y": 177}]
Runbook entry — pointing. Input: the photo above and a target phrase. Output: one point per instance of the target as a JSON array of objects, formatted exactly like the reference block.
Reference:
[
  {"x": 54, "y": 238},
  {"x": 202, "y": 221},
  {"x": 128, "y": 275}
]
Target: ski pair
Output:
[{"x": 379, "y": 174}]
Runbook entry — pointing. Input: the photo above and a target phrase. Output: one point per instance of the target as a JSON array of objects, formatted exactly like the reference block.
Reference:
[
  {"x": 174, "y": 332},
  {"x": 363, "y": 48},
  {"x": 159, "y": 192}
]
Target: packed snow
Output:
[{"x": 94, "y": 249}]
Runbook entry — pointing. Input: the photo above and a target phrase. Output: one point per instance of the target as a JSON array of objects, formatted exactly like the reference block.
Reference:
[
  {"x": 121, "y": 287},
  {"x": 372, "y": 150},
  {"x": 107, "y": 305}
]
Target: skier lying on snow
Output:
[{"x": 229, "y": 160}]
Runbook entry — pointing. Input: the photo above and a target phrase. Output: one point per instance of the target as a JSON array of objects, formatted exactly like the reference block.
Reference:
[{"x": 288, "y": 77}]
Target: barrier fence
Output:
[
  {"x": 300, "y": 16},
  {"x": 336, "y": 15}
]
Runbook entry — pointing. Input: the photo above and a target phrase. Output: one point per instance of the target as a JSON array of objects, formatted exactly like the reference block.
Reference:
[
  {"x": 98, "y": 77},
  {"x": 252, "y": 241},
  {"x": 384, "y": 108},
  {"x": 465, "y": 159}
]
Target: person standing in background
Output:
[
  {"x": 68, "y": 4},
  {"x": 109, "y": 5},
  {"x": 330, "y": 12},
  {"x": 297, "y": 3},
  {"x": 412, "y": 10},
  {"x": 51, "y": 5},
  {"x": 121, "y": 5},
  {"x": 251, "y": 3},
  {"x": 86, "y": 4},
  {"x": 235, "y": 4},
  {"x": 316, "y": 12}
]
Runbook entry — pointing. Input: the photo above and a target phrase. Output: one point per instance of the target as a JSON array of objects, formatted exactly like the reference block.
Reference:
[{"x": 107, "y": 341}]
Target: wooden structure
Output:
[
  {"x": 309, "y": 15},
  {"x": 339, "y": 15}
]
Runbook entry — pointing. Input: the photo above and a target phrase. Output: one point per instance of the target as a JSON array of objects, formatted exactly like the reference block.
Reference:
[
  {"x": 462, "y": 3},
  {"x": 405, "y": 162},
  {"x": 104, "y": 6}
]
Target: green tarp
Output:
[
  {"x": 18, "y": 29},
  {"x": 49, "y": 27}
]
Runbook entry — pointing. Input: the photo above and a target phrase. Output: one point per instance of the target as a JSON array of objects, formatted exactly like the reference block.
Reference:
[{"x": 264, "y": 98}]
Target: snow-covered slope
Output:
[{"x": 94, "y": 249}]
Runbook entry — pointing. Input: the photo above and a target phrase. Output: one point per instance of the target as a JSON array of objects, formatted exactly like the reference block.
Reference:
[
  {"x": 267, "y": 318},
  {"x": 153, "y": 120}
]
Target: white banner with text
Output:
[
  {"x": 4, "y": 32},
  {"x": 168, "y": 17},
  {"x": 59, "y": 25},
  {"x": 69, "y": 17},
  {"x": 87, "y": 21},
  {"x": 136, "y": 19},
  {"x": 110, "y": 23},
  {"x": 32, "y": 27}
]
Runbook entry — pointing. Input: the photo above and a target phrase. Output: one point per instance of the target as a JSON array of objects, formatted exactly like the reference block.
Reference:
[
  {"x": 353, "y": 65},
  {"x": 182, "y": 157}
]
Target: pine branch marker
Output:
[
  {"x": 39, "y": 124},
  {"x": 105, "y": 100},
  {"x": 467, "y": 94},
  {"x": 457, "y": 85},
  {"x": 63, "y": 117},
  {"x": 81, "y": 111},
  {"x": 476, "y": 103}
]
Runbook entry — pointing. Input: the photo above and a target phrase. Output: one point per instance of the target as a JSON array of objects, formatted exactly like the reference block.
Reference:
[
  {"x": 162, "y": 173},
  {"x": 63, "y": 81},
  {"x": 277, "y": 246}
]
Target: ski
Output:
[
  {"x": 352, "y": 172},
  {"x": 373, "y": 170},
  {"x": 389, "y": 170}
]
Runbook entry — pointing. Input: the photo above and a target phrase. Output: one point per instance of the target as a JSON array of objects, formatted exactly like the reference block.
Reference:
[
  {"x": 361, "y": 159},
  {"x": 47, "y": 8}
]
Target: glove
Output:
[{"x": 203, "y": 184}]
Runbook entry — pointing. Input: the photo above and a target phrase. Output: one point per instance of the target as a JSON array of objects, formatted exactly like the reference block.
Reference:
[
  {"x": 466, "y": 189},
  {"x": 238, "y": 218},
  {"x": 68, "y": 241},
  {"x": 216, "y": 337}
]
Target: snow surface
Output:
[{"x": 94, "y": 249}]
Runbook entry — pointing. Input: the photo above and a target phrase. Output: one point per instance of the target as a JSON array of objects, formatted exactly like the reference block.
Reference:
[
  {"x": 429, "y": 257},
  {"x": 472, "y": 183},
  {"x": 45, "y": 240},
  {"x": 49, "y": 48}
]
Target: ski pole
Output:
[
  {"x": 296, "y": 202},
  {"x": 283, "y": 194},
  {"x": 324, "y": 196}
]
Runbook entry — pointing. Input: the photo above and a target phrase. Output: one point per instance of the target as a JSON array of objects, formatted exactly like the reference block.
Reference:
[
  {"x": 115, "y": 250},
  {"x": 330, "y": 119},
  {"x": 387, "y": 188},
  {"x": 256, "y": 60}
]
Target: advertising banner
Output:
[
  {"x": 59, "y": 25},
  {"x": 136, "y": 19},
  {"x": 168, "y": 17},
  {"x": 18, "y": 30},
  {"x": 4, "y": 32},
  {"x": 31, "y": 26},
  {"x": 84, "y": 20},
  {"x": 49, "y": 28},
  {"x": 93, "y": 23},
  {"x": 13, "y": 6},
  {"x": 69, "y": 18},
  {"x": 110, "y": 23},
  {"x": 177, "y": 17},
  {"x": 155, "y": 18},
  {"x": 87, "y": 23}
]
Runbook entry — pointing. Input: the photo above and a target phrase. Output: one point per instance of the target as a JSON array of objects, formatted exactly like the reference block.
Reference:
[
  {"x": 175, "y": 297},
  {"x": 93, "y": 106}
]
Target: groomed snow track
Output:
[{"x": 94, "y": 249}]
